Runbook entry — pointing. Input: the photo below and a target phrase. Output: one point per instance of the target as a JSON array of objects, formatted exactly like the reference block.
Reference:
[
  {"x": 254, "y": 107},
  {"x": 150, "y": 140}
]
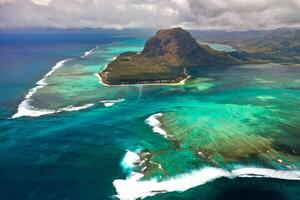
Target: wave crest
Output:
[
  {"x": 133, "y": 188},
  {"x": 156, "y": 124},
  {"x": 87, "y": 53},
  {"x": 25, "y": 109},
  {"x": 108, "y": 103}
]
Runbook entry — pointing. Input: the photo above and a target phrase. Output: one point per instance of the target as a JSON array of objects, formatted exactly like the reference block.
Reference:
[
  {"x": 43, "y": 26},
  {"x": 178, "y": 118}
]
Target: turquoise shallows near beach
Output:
[{"x": 227, "y": 133}]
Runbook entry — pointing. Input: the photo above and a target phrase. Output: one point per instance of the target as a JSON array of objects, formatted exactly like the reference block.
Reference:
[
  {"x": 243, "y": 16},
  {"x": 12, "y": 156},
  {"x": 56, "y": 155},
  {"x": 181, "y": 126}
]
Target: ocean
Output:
[{"x": 227, "y": 133}]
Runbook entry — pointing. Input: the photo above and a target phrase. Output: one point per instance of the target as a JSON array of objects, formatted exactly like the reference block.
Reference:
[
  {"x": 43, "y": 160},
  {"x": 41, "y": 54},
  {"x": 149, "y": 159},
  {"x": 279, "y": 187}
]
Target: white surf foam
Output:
[
  {"x": 260, "y": 80},
  {"x": 114, "y": 58},
  {"x": 266, "y": 173},
  {"x": 133, "y": 188},
  {"x": 32, "y": 91},
  {"x": 108, "y": 103},
  {"x": 265, "y": 97},
  {"x": 59, "y": 64},
  {"x": 130, "y": 160},
  {"x": 156, "y": 125},
  {"x": 24, "y": 108},
  {"x": 87, "y": 53},
  {"x": 75, "y": 108}
]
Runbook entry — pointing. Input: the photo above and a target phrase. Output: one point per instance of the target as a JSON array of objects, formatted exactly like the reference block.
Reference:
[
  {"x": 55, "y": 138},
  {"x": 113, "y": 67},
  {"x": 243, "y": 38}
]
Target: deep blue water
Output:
[
  {"x": 45, "y": 158},
  {"x": 27, "y": 56},
  {"x": 76, "y": 155}
]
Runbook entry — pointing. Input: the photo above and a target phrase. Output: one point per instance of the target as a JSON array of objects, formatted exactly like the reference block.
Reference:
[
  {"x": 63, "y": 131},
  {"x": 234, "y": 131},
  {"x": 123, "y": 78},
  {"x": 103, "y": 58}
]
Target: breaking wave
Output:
[
  {"x": 156, "y": 124},
  {"x": 59, "y": 64},
  {"x": 87, "y": 53},
  {"x": 134, "y": 188},
  {"x": 25, "y": 108},
  {"x": 130, "y": 159},
  {"x": 108, "y": 103}
]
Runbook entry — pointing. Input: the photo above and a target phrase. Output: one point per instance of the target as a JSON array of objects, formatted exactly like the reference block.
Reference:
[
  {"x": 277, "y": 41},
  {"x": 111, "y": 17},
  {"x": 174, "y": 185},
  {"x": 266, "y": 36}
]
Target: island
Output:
[{"x": 164, "y": 60}]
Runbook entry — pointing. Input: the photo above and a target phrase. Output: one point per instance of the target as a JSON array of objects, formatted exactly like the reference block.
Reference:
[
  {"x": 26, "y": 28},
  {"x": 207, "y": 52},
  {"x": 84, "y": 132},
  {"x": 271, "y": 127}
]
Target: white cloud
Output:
[
  {"x": 41, "y": 2},
  {"x": 6, "y": 1},
  {"x": 203, "y": 14}
]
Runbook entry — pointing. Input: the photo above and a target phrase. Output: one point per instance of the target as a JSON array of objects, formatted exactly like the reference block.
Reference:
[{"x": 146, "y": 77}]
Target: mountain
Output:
[
  {"x": 228, "y": 37},
  {"x": 279, "y": 45},
  {"x": 164, "y": 59},
  {"x": 287, "y": 41}
]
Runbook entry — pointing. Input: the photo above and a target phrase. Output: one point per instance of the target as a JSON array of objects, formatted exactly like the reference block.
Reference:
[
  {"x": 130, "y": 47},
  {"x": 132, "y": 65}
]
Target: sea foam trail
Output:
[
  {"x": 133, "y": 188},
  {"x": 74, "y": 108},
  {"x": 156, "y": 125},
  {"x": 87, "y": 53},
  {"x": 130, "y": 159},
  {"x": 25, "y": 108},
  {"x": 108, "y": 103},
  {"x": 59, "y": 64}
]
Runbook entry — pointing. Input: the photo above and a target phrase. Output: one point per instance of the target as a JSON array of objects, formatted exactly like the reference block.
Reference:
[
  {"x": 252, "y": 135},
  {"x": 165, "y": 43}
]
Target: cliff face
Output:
[
  {"x": 172, "y": 42},
  {"x": 179, "y": 48},
  {"x": 164, "y": 59}
]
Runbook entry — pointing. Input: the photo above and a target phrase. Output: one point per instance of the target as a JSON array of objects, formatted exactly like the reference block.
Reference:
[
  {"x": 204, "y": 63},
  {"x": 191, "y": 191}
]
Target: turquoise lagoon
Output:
[{"x": 227, "y": 133}]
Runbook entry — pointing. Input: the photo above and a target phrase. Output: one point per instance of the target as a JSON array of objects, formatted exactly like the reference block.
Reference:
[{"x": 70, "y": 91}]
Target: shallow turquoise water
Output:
[{"x": 229, "y": 118}]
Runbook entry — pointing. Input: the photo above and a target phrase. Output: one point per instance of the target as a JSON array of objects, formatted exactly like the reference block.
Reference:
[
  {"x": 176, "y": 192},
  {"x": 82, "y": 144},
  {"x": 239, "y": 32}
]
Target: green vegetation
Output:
[
  {"x": 164, "y": 59},
  {"x": 277, "y": 46},
  {"x": 280, "y": 46}
]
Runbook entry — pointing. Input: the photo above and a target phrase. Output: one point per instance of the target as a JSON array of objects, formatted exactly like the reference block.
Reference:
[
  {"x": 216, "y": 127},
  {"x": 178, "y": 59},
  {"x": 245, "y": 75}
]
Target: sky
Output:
[{"x": 119, "y": 14}]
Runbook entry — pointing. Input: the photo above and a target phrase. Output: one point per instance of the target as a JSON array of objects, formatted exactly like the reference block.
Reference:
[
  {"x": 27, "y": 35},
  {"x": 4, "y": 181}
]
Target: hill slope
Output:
[
  {"x": 279, "y": 45},
  {"x": 287, "y": 41},
  {"x": 164, "y": 59}
]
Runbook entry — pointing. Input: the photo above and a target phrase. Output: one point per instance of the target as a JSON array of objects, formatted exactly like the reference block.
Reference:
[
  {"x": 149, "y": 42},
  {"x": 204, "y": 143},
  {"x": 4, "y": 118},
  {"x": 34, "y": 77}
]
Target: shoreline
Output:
[{"x": 182, "y": 82}]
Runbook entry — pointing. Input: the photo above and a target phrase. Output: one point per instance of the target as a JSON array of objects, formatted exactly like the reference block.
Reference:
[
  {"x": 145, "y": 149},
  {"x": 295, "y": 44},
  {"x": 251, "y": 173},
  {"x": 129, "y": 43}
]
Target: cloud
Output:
[
  {"x": 41, "y": 2},
  {"x": 6, "y": 1},
  {"x": 199, "y": 14}
]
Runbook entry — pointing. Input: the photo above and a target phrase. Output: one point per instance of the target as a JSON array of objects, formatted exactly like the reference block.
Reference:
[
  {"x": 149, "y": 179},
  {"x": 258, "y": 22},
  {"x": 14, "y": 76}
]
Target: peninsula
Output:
[{"x": 164, "y": 59}]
